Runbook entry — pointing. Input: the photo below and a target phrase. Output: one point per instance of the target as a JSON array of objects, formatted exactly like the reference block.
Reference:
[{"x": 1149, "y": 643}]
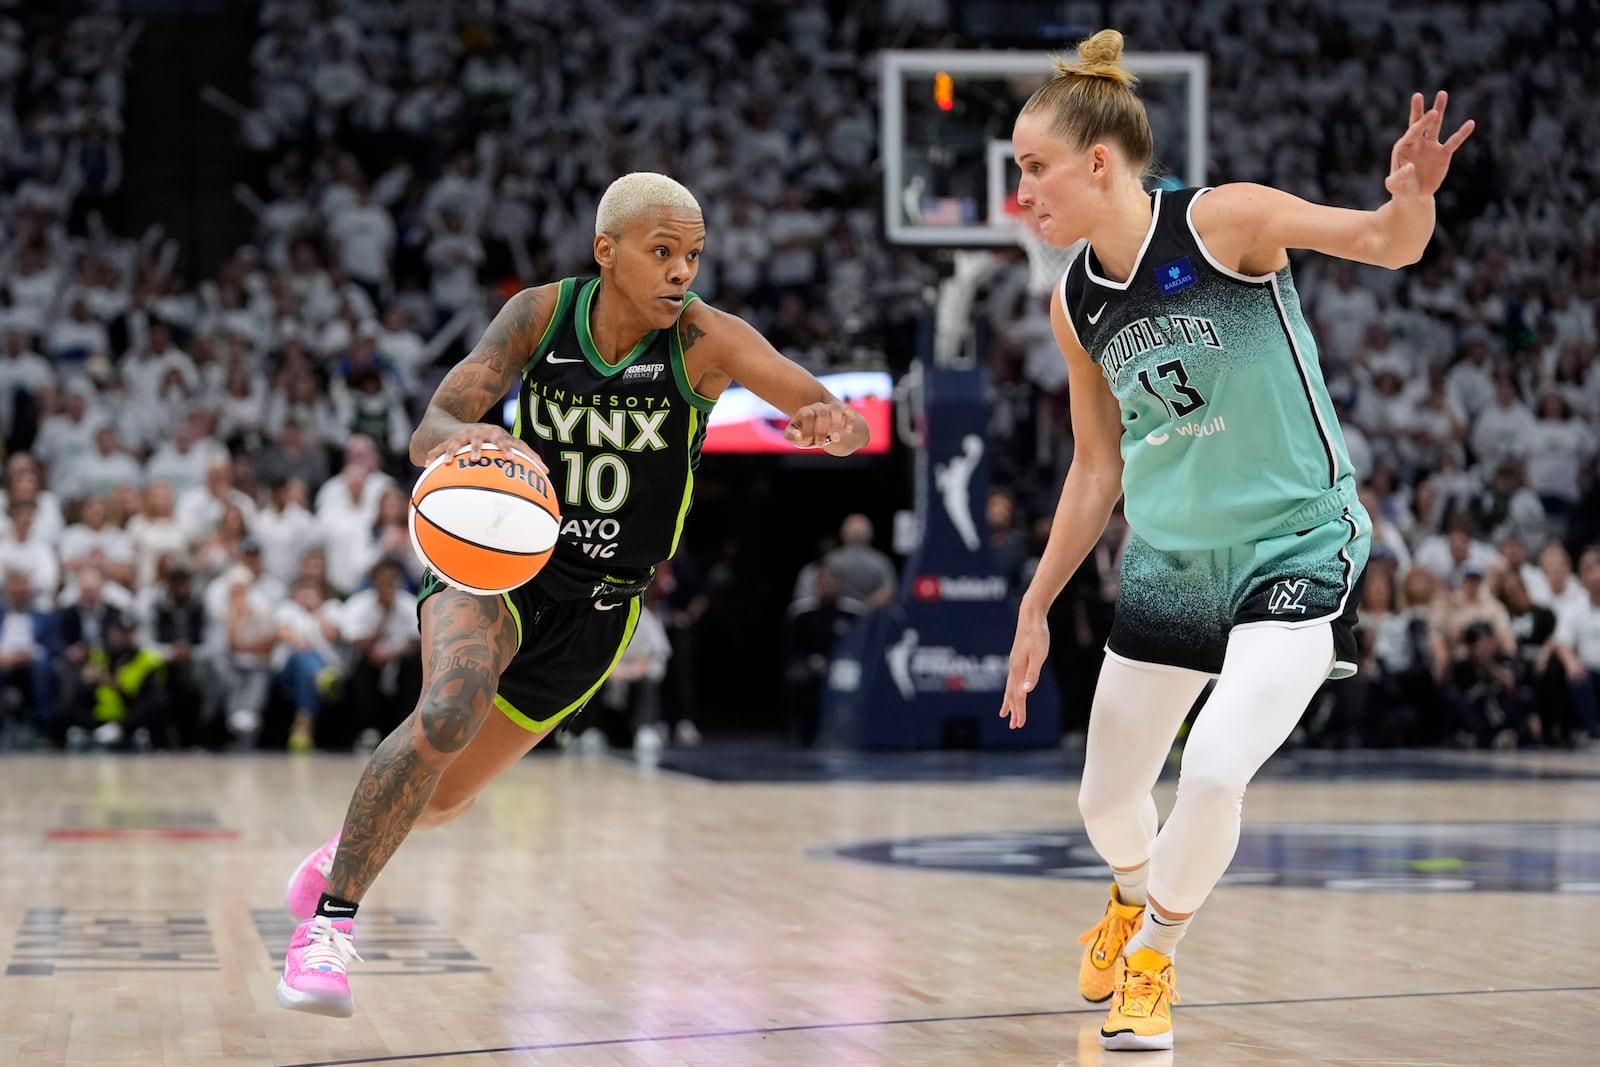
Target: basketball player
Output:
[
  {"x": 1197, "y": 397},
  {"x": 501, "y": 672}
]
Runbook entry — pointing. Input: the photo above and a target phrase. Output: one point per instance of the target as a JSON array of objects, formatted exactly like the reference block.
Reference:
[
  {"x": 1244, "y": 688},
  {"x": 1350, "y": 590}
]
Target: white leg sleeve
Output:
[
  {"x": 1137, "y": 710},
  {"x": 1268, "y": 677}
]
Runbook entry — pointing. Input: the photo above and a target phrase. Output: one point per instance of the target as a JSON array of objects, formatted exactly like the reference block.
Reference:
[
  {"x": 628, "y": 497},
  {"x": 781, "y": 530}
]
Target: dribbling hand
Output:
[
  {"x": 1419, "y": 161},
  {"x": 1028, "y": 651},
  {"x": 478, "y": 434}
]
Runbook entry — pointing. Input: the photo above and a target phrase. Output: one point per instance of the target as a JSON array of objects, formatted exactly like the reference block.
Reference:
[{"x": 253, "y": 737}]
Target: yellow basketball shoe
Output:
[
  {"x": 1141, "y": 1014},
  {"x": 1105, "y": 940}
]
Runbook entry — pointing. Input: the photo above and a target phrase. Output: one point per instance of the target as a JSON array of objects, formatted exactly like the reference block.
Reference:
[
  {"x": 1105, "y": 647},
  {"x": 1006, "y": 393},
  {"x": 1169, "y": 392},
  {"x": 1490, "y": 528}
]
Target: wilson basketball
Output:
[{"x": 487, "y": 525}]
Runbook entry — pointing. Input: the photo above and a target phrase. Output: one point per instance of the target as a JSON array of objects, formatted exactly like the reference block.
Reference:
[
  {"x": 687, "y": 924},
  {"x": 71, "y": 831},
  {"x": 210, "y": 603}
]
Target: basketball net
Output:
[{"x": 1046, "y": 262}]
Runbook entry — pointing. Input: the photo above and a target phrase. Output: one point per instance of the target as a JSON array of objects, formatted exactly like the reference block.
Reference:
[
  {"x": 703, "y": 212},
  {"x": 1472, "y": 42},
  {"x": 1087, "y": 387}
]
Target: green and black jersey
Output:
[{"x": 622, "y": 443}]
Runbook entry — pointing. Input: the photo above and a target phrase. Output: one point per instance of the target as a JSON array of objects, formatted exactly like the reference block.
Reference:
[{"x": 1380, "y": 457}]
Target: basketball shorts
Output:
[
  {"x": 1178, "y": 608},
  {"x": 565, "y": 649}
]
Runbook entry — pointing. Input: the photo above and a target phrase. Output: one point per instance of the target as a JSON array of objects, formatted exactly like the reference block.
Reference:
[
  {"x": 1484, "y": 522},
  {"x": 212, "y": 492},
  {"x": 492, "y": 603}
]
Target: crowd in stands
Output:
[{"x": 204, "y": 531}]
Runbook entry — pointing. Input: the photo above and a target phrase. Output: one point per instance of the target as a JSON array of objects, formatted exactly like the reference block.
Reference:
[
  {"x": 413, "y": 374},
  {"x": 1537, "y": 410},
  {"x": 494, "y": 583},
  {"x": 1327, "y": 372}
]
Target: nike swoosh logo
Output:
[
  {"x": 1096, "y": 316},
  {"x": 601, "y": 605},
  {"x": 553, "y": 358},
  {"x": 336, "y": 908}
]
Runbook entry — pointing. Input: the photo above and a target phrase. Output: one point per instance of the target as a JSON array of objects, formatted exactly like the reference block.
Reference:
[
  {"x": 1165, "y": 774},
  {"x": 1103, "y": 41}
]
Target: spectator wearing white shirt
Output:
[
  {"x": 21, "y": 549},
  {"x": 242, "y": 635},
  {"x": 98, "y": 474},
  {"x": 401, "y": 348},
  {"x": 380, "y": 624},
  {"x": 454, "y": 256},
  {"x": 182, "y": 461},
  {"x": 93, "y": 533},
  {"x": 23, "y": 485},
  {"x": 796, "y": 233},
  {"x": 78, "y": 336},
  {"x": 1433, "y": 422},
  {"x": 1578, "y": 645},
  {"x": 1555, "y": 587},
  {"x": 146, "y": 369},
  {"x": 200, "y": 509},
  {"x": 34, "y": 287},
  {"x": 1383, "y": 409},
  {"x": 1446, "y": 555},
  {"x": 1343, "y": 312},
  {"x": 155, "y": 533},
  {"x": 364, "y": 235},
  {"x": 242, "y": 408},
  {"x": 346, "y": 506},
  {"x": 285, "y": 528},
  {"x": 1502, "y": 429},
  {"x": 460, "y": 191},
  {"x": 1470, "y": 381},
  {"x": 69, "y": 435},
  {"x": 22, "y": 371},
  {"x": 1560, "y": 448},
  {"x": 307, "y": 658}
]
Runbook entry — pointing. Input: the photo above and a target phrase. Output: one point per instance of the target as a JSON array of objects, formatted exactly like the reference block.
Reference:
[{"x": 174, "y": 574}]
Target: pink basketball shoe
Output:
[
  {"x": 316, "y": 972},
  {"x": 310, "y": 881}
]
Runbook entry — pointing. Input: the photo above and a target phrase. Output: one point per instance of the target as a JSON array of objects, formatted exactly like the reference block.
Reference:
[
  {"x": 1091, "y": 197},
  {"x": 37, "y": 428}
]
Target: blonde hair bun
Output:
[{"x": 1099, "y": 56}]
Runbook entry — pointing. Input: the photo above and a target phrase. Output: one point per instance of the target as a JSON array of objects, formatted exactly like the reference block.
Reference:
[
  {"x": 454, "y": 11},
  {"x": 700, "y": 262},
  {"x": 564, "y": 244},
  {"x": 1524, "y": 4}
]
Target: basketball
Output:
[{"x": 484, "y": 526}]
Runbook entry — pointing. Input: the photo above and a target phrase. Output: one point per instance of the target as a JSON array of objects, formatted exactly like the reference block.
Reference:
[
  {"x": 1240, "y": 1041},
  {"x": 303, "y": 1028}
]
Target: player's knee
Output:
[
  {"x": 1098, "y": 805},
  {"x": 1211, "y": 786},
  {"x": 444, "y": 726}
]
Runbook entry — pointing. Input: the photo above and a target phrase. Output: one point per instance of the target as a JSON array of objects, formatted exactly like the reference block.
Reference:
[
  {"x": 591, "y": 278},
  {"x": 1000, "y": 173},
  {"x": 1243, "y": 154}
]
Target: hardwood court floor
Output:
[{"x": 590, "y": 914}]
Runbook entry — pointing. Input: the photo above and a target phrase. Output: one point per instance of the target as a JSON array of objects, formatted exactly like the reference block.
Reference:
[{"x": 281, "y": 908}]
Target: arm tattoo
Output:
[
  {"x": 474, "y": 384},
  {"x": 472, "y": 640},
  {"x": 691, "y": 334}
]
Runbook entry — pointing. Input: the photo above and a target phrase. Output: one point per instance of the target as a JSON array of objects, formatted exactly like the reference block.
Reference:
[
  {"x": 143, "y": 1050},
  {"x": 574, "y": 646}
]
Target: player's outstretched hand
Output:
[
  {"x": 825, "y": 424},
  {"x": 1419, "y": 161},
  {"x": 478, "y": 434},
  {"x": 1028, "y": 651}
]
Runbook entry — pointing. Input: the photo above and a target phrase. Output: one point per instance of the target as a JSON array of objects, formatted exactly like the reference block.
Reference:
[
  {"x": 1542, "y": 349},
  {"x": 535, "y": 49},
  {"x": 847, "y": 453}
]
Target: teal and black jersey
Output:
[
  {"x": 1228, "y": 434},
  {"x": 622, "y": 443}
]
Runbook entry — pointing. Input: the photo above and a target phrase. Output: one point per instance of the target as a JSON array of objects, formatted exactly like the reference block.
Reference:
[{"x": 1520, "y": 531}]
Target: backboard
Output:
[{"x": 945, "y": 126}]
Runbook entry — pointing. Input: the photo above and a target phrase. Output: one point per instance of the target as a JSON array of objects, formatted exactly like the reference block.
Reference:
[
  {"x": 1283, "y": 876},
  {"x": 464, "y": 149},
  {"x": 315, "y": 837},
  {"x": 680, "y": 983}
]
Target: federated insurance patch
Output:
[
  {"x": 1492, "y": 857},
  {"x": 1178, "y": 274}
]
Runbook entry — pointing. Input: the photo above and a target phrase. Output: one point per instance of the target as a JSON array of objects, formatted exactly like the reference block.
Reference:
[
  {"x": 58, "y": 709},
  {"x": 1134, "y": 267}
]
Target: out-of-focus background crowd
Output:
[{"x": 203, "y": 535}]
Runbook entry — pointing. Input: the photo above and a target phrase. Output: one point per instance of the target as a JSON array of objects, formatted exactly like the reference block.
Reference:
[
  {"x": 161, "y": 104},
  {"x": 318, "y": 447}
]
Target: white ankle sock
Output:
[
  {"x": 1131, "y": 884},
  {"x": 1160, "y": 934}
]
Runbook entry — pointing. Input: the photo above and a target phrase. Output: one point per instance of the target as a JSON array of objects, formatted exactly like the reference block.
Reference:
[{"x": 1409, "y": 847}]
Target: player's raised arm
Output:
[
  {"x": 455, "y": 413},
  {"x": 719, "y": 348},
  {"x": 1248, "y": 226}
]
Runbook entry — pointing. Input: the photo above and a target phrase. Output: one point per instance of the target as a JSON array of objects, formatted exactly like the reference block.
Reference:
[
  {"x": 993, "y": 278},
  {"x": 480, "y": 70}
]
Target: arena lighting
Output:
[{"x": 944, "y": 91}]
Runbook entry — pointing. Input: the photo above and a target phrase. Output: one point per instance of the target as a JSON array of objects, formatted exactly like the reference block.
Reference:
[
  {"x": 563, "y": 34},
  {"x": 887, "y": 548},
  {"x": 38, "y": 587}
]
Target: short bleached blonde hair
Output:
[{"x": 634, "y": 194}]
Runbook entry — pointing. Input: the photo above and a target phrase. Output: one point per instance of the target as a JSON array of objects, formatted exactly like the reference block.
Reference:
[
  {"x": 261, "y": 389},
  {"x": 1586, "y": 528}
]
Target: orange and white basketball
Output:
[{"x": 484, "y": 526}]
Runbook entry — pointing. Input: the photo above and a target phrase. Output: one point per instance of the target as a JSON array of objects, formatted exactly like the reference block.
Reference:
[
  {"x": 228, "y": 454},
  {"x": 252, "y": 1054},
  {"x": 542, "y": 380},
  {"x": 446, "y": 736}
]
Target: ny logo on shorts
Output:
[{"x": 1288, "y": 595}]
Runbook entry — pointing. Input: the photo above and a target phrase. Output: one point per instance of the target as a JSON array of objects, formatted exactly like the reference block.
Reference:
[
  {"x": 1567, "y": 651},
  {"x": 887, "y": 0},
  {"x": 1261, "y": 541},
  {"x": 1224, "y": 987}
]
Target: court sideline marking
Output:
[{"x": 810, "y": 1027}]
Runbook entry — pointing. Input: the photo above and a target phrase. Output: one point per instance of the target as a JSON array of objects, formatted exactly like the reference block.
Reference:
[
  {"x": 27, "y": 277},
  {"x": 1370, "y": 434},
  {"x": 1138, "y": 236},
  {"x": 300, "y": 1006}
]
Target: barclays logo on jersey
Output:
[{"x": 1175, "y": 275}]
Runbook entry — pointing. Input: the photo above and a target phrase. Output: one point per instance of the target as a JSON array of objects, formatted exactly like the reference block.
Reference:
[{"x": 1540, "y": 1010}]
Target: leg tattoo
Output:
[{"x": 470, "y": 640}]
